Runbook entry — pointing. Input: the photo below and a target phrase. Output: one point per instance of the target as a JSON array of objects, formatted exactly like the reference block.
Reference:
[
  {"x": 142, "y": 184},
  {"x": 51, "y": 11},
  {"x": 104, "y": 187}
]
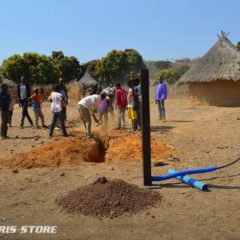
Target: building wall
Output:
[{"x": 218, "y": 93}]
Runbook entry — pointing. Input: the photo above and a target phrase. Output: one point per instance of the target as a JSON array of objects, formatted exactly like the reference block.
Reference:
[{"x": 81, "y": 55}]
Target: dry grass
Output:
[{"x": 74, "y": 92}]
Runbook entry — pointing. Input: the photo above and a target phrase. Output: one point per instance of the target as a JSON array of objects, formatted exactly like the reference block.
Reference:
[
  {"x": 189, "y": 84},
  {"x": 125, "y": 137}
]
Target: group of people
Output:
[
  {"x": 58, "y": 98},
  {"x": 97, "y": 106}
]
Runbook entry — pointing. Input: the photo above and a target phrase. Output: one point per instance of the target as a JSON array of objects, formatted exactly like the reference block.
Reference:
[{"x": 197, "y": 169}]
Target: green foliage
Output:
[
  {"x": 14, "y": 67},
  {"x": 69, "y": 68},
  {"x": 160, "y": 65},
  {"x": 155, "y": 66},
  {"x": 171, "y": 76},
  {"x": 41, "y": 69},
  {"x": 94, "y": 68},
  {"x": 238, "y": 45},
  {"x": 115, "y": 66},
  {"x": 57, "y": 55}
]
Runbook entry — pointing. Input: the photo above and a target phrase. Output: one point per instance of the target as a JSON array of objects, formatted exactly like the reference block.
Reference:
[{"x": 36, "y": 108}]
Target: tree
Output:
[
  {"x": 47, "y": 72},
  {"x": 113, "y": 66},
  {"x": 69, "y": 67},
  {"x": 14, "y": 67},
  {"x": 160, "y": 65},
  {"x": 95, "y": 70},
  {"x": 172, "y": 76},
  {"x": 36, "y": 68},
  {"x": 41, "y": 69},
  {"x": 117, "y": 65},
  {"x": 238, "y": 45}
]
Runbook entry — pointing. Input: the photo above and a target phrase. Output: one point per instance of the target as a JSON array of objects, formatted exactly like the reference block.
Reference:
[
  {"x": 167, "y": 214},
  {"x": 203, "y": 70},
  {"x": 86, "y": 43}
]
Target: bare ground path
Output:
[{"x": 202, "y": 136}]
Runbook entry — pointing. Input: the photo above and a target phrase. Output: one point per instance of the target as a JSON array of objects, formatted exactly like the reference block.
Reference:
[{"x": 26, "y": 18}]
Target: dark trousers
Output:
[
  {"x": 10, "y": 118},
  {"x": 24, "y": 104},
  {"x": 4, "y": 122},
  {"x": 139, "y": 115},
  {"x": 161, "y": 109},
  {"x": 57, "y": 116},
  {"x": 64, "y": 113}
]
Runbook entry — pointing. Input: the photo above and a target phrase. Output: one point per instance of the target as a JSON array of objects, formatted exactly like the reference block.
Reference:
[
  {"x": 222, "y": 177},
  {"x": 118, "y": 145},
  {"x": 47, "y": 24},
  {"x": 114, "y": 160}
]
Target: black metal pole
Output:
[{"x": 146, "y": 142}]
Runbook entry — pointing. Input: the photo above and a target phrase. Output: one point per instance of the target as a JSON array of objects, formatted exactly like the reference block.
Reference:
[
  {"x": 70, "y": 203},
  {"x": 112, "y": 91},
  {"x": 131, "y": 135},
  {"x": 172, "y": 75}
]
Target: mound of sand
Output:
[
  {"x": 67, "y": 151},
  {"x": 129, "y": 148},
  {"x": 113, "y": 146},
  {"x": 105, "y": 198}
]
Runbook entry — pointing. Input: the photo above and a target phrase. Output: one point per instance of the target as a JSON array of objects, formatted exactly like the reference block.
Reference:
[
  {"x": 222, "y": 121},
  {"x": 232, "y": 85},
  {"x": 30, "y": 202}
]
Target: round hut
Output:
[
  {"x": 12, "y": 88},
  {"x": 215, "y": 78},
  {"x": 86, "y": 83}
]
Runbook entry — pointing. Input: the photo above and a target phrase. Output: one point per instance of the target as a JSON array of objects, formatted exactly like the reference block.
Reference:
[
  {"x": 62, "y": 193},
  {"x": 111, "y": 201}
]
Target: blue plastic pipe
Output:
[
  {"x": 184, "y": 172},
  {"x": 191, "y": 181}
]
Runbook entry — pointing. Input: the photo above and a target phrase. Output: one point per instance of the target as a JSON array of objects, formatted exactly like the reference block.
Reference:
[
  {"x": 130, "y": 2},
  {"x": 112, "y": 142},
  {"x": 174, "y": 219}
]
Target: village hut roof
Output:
[
  {"x": 87, "y": 80},
  {"x": 221, "y": 62},
  {"x": 8, "y": 82}
]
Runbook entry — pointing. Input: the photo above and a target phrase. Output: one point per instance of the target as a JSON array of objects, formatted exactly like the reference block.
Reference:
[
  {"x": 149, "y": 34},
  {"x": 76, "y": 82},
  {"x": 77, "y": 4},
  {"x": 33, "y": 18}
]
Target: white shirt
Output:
[
  {"x": 23, "y": 91},
  {"x": 130, "y": 100},
  {"x": 56, "y": 104},
  {"x": 90, "y": 102}
]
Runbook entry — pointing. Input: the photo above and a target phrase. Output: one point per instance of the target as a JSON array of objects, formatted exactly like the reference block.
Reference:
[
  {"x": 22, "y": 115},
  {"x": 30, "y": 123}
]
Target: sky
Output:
[{"x": 89, "y": 29}]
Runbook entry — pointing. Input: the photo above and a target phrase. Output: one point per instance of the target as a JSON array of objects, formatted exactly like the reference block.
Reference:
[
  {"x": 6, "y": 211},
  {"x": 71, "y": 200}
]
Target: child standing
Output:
[{"x": 36, "y": 103}]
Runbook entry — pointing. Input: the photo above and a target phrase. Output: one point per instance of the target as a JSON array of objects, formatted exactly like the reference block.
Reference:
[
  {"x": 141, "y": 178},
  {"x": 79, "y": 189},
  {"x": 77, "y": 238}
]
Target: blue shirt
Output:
[{"x": 161, "y": 92}]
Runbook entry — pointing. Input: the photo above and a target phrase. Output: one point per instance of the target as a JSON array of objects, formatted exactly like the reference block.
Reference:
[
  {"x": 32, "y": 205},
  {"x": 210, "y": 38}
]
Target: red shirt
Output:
[
  {"x": 121, "y": 98},
  {"x": 36, "y": 98}
]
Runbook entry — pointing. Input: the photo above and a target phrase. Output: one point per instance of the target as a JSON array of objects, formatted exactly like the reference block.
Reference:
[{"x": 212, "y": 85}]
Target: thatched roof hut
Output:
[
  {"x": 215, "y": 78},
  {"x": 87, "y": 80},
  {"x": 86, "y": 83}
]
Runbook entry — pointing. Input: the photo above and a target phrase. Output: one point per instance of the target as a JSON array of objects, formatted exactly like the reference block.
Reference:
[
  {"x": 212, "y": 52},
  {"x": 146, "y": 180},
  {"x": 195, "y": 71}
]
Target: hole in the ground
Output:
[{"x": 97, "y": 151}]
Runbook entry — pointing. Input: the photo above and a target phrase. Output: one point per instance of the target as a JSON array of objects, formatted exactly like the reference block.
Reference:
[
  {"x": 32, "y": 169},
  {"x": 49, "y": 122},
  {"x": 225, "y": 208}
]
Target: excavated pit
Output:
[
  {"x": 70, "y": 151},
  {"x": 74, "y": 150}
]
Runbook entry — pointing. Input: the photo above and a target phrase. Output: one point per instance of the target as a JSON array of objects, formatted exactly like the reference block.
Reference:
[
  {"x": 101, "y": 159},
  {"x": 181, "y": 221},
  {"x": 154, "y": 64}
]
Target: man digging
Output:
[{"x": 87, "y": 107}]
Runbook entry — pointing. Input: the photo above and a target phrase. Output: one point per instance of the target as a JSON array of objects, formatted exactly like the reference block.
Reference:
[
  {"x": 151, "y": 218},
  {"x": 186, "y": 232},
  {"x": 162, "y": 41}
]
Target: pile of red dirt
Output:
[
  {"x": 67, "y": 151},
  {"x": 113, "y": 146},
  {"x": 105, "y": 198},
  {"x": 129, "y": 148}
]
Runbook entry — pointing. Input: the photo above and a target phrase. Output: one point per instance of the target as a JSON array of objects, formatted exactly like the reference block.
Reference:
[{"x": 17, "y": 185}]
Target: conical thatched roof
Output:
[
  {"x": 87, "y": 80},
  {"x": 221, "y": 62}
]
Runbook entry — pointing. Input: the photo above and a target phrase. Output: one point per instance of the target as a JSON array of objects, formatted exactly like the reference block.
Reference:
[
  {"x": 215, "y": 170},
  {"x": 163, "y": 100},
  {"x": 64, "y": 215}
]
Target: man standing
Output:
[
  {"x": 161, "y": 96},
  {"x": 23, "y": 95},
  {"x": 121, "y": 104},
  {"x": 87, "y": 107},
  {"x": 56, "y": 99},
  {"x": 5, "y": 101},
  {"x": 138, "y": 96}
]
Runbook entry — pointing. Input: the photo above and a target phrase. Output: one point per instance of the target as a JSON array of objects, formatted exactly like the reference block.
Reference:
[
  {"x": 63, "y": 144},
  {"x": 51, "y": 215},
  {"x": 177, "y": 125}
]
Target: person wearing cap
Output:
[
  {"x": 161, "y": 96},
  {"x": 23, "y": 96},
  {"x": 5, "y": 101},
  {"x": 36, "y": 104},
  {"x": 87, "y": 107}
]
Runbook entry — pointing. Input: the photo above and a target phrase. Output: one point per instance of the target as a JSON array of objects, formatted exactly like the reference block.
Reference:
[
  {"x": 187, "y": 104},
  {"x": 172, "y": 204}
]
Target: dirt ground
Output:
[{"x": 198, "y": 135}]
